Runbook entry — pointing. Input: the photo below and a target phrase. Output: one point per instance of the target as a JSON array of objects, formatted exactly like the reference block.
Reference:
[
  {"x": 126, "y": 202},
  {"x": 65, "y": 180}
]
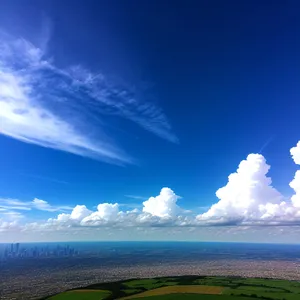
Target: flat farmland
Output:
[
  {"x": 185, "y": 296},
  {"x": 82, "y": 294},
  {"x": 187, "y": 287},
  {"x": 190, "y": 289}
]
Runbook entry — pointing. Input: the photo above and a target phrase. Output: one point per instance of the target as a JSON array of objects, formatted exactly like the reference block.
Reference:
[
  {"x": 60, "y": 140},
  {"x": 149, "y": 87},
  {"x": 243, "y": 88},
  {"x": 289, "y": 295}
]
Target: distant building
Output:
[{"x": 15, "y": 251}]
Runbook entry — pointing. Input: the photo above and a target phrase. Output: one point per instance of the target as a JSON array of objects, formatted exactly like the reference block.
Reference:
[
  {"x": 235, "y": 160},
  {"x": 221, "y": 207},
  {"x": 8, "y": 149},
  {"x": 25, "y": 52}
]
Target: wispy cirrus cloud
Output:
[
  {"x": 44, "y": 205},
  {"x": 136, "y": 197},
  {"x": 13, "y": 204},
  {"x": 13, "y": 215},
  {"x": 43, "y": 178},
  {"x": 62, "y": 108},
  {"x": 38, "y": 204}
]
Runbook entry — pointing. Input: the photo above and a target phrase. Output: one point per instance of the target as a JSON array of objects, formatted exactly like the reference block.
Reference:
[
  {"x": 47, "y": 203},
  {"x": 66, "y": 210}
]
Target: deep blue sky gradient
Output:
[{"x": 226, "y": 75}]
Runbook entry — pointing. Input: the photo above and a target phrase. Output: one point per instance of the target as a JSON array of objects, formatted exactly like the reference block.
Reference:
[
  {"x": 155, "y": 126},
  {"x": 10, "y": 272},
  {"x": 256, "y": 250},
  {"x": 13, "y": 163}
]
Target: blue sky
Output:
[{"x": 109, "y": 103}]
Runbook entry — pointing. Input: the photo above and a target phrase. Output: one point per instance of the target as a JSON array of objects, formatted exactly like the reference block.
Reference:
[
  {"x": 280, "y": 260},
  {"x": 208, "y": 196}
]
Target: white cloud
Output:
[
  {"x": 246, "y": 194},
  {"x": 54, "y": 108},
  {"x": 9, "y": 220},
  {"x": 6, "y": 225},
  {"x": 249, "y": 198},
  {"x": 80, "y": 212},
  {"x": 7, "y": 207},
  {"x": 106, "y": 212},
  {"x": 23, "y": 118},
  {"x": 12, "y": 215},
  {"x": 123, "y": 100},
  {"x": 44, "y": 205},
  {"x": 136, "y": 197},
  {"x": 295, "y": 152},
  {"x": 41, "y": 204},
  {"x": 81, "y": 215},
  {"x": 163, "y": 205},
  {"x": 15, "y": 204},
  {"x": 295, "y": 185}
]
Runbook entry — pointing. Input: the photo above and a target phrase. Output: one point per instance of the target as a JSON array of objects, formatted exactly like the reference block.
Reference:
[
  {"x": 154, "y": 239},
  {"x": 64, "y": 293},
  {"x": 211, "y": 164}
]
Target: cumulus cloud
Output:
[
  {"x": 163, "y": 205},
  {"x": 106, "y": 212},
  {"x": 246, "y": 194},
  {"x": 81, "y": 215},
  {"x": 9, "y": 220},
  {"x": 80, "y": 212},
  {"x": 249, "y": 198},
  {"x": 295, "y": 152},
  {"x": 161, "y": 210},
  {"x": 60, "y": 109},
  {"x": 295, "y": 185},
  {"x": 6, "y": 225}
]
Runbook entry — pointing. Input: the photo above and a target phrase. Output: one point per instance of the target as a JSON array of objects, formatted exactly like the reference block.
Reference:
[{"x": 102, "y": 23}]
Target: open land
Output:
[
  {"x": 188, "y": 287},
  {"x": 34, "y": 278},
  {"x": 59, "y": 275}
]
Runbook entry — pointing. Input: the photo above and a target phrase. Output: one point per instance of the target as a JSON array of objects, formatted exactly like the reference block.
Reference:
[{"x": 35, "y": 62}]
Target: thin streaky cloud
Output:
[
  {"x": 45, "y": 178},
  {"x": 4, "y": 207},
  {"x": 46, "y": 32},
  {"x": 37, "y": 204},
  {"x": 13, "y": 215},
  {"x": 266, "y": 144},
  {"x": 12, "y": 202},
  {"x": 63, "y": 108},
  {"x": 130, "y": 205},
  {"x": 136, "y": 197},
  {"x": 45, "y": 206}
]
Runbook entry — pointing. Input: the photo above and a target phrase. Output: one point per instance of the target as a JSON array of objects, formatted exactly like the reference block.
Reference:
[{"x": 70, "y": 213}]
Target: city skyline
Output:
[{"x": 20, "y": 251}]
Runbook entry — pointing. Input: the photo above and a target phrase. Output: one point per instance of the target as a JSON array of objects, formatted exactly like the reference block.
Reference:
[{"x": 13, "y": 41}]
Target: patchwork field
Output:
[
  {"x": 192, "y": 297},
  {"x": 84, "y": 294},
  {"x": 179, "y": 289},
  {"x": 188, "y": 287}
]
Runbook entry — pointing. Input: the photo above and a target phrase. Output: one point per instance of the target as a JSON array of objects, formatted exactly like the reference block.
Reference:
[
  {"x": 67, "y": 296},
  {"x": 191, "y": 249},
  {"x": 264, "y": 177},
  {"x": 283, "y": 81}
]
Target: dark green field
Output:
[
  {"x": 188, "y": 287},
  {"x": 82, "y": 295},
  {"x": 192, "y": 297}
]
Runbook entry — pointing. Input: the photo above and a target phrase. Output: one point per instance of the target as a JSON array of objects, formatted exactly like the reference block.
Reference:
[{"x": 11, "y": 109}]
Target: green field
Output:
[
  {"x": 82, "y": 295},
  {"x": 192, "y": 297},
  {"x": 188, "y": 287}
]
